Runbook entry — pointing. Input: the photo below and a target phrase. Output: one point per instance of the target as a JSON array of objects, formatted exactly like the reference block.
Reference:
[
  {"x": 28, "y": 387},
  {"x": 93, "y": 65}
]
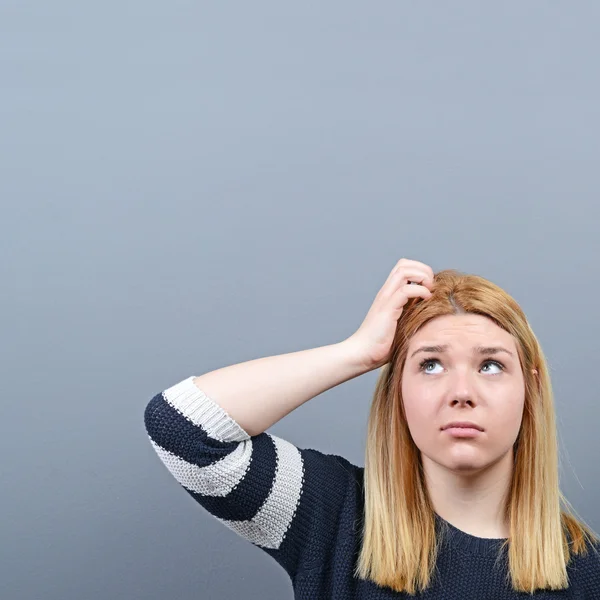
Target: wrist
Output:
[{"x": 355, "y": 356}]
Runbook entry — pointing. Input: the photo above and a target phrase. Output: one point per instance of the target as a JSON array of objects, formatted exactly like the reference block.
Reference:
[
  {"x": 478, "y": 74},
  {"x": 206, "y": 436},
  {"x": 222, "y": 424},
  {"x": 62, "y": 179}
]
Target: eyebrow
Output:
[{"x": 476, "y": 349}]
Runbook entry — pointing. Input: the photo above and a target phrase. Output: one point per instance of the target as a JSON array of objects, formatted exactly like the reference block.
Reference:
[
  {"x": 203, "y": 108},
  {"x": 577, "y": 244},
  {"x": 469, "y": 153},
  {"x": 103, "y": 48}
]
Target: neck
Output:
[{"x": 473, "y": 501}]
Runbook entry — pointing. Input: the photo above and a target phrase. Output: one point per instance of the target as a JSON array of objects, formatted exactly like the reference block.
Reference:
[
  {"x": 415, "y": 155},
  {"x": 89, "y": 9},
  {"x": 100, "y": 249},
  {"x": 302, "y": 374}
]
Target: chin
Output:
[
  {"x": 466, "y": 467},
  {"x": 463, "y": 462}
]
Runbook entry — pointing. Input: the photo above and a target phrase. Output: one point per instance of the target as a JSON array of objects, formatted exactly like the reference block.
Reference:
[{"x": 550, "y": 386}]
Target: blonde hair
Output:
[{"x": 399, "y": 543}]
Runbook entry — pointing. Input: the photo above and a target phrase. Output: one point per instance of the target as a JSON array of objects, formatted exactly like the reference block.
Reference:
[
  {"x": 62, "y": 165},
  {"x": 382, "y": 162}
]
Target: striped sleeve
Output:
[{"x": 281, "y": 498}]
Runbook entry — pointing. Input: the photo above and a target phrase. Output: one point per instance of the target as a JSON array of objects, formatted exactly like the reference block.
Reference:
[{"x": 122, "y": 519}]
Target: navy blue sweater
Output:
[{"x": 304, "y": 507}]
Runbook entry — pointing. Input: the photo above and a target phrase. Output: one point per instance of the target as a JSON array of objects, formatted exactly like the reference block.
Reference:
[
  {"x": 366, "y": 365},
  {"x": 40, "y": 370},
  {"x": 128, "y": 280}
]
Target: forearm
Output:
[{"x": 260, "y": 392}]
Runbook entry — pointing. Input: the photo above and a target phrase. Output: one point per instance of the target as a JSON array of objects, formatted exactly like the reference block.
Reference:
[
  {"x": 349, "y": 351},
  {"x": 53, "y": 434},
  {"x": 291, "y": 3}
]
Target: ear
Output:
[{"x": 534, "y": 371}]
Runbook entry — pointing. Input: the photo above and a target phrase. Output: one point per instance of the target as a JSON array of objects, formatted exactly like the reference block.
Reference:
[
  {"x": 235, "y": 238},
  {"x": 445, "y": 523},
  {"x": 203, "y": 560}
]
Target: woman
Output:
[{"x": 459, "y": 496}]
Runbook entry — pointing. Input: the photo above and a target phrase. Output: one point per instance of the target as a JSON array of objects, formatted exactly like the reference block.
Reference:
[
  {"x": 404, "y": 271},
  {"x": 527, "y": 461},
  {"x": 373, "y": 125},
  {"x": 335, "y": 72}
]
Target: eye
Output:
[{"x": 425, "y": 362}]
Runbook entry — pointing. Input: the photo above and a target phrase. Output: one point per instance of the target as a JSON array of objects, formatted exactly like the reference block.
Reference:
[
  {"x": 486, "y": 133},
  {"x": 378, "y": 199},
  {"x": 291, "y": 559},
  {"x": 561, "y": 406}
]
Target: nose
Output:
[
  {"x": 461, "y": 391},
  {"x": 463, "y": 399}
]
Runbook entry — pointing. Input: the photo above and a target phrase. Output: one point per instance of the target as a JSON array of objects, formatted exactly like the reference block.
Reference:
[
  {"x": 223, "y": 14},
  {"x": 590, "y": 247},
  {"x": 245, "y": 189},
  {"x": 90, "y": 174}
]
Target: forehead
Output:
[{"x": 462, "y": 329}]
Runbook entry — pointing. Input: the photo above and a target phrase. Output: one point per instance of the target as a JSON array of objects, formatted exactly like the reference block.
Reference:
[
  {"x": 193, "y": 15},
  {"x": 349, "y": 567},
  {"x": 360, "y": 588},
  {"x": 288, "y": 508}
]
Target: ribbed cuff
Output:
[{"x": 202, "y": 410}]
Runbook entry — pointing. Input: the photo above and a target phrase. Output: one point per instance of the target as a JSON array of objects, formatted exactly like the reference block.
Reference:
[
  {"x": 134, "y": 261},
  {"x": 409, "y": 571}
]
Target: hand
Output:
[{"x": 373, "y": 340}]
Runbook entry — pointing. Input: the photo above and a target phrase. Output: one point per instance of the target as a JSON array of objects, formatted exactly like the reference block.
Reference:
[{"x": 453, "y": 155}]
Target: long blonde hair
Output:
[{"x": 399, "y": 543}]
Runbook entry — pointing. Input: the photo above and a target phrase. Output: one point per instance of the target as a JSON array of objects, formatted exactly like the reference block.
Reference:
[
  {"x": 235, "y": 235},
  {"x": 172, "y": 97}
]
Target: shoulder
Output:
[{"x": 584, "y": 570}]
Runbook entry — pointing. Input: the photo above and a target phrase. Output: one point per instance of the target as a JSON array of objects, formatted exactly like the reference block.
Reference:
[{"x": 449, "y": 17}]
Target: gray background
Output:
[{"x": 187, "y": 185}]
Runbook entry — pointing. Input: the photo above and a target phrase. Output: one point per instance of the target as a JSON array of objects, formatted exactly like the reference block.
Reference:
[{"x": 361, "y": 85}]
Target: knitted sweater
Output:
[{"x": 304, "y": 508}]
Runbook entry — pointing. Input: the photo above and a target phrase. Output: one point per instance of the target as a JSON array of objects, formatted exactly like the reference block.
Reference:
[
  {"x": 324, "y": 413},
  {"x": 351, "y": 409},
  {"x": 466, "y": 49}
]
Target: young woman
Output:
[{"x": 459, "y": 497}]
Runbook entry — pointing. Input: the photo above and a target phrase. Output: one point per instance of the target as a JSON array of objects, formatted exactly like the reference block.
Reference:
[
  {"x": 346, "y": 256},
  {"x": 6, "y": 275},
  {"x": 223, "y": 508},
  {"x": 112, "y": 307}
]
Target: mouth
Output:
[
  {"x": 463, "y": 424},
  {"x": 462, "y": 432}
]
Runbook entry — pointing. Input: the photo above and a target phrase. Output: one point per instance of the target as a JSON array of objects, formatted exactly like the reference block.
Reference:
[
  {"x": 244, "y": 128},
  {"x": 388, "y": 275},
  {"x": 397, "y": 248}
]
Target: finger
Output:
[
  {"x": 399, "y": 279},
  {"x": 403, "y": 262},
  {"x": 427, "y": 269},
  {"x": 412, "y": 264},
  {"x": 422, "y": 267},
  {"x": 404, "y": 275},
  {"x": 401, "y": 296}
]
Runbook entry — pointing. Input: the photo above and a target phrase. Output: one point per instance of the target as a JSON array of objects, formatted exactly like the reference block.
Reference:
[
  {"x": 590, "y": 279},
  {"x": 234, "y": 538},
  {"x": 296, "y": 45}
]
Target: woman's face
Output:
[{"x": 462, "y": 384}]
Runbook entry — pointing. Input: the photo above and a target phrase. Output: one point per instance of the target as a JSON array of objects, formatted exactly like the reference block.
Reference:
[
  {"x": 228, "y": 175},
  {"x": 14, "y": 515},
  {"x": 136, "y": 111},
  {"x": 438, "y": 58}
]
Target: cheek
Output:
[
  {"x": 420, "y": 414},
  {"x": 418, "y": 398},
  {"x": 506, "y": 403},
  {"x": 511, "y": 413}
]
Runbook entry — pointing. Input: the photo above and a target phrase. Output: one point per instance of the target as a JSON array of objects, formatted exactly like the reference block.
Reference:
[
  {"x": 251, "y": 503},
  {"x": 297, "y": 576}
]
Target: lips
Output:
[{"x": 463, "y": 425}]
